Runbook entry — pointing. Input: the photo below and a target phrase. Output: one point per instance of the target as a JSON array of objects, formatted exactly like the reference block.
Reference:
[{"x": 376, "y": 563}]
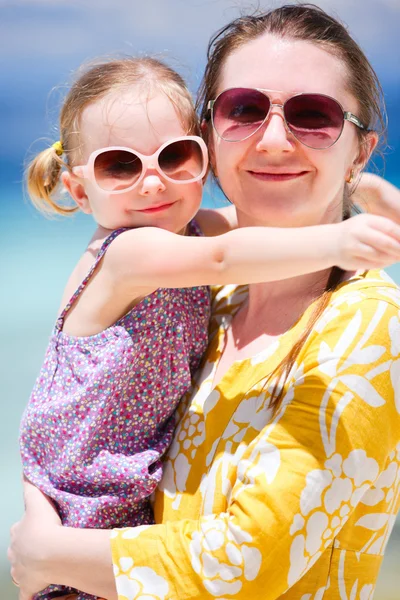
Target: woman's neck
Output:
[
  {"x": 286, "y": 300},
  {"x": 291, "y": 296},
  {"x": 270, "y": 310}
]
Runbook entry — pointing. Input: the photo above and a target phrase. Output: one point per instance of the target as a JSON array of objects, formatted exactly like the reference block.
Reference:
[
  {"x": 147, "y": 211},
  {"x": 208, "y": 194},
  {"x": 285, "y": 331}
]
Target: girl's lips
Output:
[
  {"x": 277, "y": 176},
  {"x": 155, "y": 209}
]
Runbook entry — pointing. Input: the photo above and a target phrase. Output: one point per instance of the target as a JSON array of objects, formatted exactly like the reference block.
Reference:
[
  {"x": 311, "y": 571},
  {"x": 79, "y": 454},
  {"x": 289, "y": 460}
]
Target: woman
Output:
[{"x": 283, "y": 479}]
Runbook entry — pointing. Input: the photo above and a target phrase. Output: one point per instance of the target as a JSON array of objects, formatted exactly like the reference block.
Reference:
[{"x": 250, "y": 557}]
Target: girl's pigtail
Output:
[{"x": 43, "y": 179}]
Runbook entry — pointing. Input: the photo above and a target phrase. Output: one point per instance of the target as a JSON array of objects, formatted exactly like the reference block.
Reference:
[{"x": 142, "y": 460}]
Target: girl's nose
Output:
[
  {"x": 275, "y": 137},
  {"x": 151, "y": 184}
]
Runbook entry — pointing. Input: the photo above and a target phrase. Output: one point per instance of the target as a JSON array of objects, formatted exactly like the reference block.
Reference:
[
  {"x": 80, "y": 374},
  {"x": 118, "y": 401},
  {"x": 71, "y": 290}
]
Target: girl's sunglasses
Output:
[
  {"x": 118, "y": 169},
  {"x": 315, "y": 120}
]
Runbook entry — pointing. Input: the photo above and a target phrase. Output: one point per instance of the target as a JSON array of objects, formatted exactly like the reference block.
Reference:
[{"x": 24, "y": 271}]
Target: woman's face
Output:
[{"x": 271, "y": 177}]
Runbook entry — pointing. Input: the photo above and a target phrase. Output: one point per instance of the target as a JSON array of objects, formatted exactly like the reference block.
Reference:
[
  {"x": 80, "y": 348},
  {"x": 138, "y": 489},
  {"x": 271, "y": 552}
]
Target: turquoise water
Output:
[{"x": 37, "y": 256}]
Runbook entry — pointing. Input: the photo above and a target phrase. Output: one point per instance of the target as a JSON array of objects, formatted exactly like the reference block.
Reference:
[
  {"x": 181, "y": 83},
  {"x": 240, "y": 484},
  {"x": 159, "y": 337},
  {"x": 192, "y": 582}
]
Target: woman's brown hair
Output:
[
  {"x": 96, "y": 82},
  {"x": 305, "y": 22}
]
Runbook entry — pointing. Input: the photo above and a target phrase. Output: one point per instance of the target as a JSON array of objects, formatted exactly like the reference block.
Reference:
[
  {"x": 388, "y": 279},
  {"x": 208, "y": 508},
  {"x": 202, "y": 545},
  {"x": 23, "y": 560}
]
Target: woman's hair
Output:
[
  {"x": 305, "y": 22},
  {"x": 96, "y": 82}
]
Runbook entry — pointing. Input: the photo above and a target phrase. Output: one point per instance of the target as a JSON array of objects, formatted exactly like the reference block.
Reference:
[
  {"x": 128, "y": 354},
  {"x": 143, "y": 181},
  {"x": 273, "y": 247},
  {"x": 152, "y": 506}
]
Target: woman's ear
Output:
[
  {"x": 366, "y": 148},
  {"x": 77, "y": 191}
]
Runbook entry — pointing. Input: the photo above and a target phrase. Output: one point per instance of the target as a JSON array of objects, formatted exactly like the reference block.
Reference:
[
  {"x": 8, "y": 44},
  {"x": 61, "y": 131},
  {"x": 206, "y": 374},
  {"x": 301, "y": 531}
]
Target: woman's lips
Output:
[{"x": 264, "y": 176}]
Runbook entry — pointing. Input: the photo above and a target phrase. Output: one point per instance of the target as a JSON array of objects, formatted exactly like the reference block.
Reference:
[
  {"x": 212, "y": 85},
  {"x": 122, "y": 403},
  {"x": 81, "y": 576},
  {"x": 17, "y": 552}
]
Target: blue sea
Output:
[{"x": 37, "y": 256}]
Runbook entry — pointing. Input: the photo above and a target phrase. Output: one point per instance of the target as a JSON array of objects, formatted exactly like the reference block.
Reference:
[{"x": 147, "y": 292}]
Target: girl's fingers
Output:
[
  {"x": 390, "y": 246},
  {"x": 374, "y": 262},
  {"x": 368, "y": 252},
  {"x": 370, "y": 257},
  {"x": 378, "y": 247},
  {"x": 387, "y": 226},
  {"x": 383, "y": 242}
]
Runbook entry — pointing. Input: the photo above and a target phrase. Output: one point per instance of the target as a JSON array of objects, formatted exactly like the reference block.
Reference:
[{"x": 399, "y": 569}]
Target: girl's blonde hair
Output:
[{"x": 96, "y": 82}]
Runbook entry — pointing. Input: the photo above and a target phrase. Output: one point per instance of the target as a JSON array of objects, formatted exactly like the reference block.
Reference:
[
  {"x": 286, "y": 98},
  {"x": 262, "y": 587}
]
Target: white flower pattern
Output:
[
  {"x": 222, "y": 555},
  {"x": 326, "y": 503},
  {"x": 297, "y": 504}
]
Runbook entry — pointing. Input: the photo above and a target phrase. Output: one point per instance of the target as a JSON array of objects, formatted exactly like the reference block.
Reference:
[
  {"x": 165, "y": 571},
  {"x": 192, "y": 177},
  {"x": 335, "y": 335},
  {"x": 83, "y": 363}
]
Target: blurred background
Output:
[{"x": 43, "y": 42}]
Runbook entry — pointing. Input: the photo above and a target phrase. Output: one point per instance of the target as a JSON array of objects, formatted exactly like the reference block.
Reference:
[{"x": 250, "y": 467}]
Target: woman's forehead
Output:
[{"x": 272, "y": 62}]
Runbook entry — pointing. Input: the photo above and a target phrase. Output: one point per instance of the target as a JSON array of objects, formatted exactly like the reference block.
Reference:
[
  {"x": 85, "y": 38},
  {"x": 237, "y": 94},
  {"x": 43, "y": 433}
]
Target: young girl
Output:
[{"x": 133, "y": 324}]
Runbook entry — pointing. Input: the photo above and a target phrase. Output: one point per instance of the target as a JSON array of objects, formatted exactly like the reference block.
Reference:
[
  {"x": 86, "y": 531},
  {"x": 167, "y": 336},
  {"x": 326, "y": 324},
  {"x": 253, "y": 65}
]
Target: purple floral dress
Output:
[{"x": 101, "y": 414}]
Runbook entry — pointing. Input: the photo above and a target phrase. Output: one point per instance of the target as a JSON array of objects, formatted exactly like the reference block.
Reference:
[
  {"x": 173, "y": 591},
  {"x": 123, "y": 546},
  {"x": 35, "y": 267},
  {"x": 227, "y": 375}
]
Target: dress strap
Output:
[
  {"x": 100, "y": 254},
  {"x": 194, "y": 229}
]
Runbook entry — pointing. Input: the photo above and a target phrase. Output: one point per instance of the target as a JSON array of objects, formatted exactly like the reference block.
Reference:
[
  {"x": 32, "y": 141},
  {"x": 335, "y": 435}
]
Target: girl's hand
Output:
[
  {"x": 27, "y": 552},
  {"x": 368, "y": 242}
]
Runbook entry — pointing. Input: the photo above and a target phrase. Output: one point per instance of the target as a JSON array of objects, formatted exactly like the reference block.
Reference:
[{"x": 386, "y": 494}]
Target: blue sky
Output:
[{"x": 44, "y": 41}]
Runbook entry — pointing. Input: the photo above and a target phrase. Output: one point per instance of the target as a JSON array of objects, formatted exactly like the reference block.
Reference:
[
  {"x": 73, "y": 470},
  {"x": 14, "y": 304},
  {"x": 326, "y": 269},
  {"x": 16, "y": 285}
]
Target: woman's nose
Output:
[
  {"x": 151, "y": 184},
  {"x": 275, "y": 136}
]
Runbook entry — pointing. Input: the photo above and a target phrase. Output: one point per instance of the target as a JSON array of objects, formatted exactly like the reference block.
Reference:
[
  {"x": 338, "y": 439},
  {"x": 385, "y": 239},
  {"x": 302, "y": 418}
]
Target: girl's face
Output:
[
  {"x": 271, "y": 177},
  {"x": 141, "y": 122}
]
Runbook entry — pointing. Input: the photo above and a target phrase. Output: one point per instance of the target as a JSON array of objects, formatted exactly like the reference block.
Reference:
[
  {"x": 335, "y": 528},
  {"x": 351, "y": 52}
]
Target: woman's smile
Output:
[{"x": 278, "y": 176}]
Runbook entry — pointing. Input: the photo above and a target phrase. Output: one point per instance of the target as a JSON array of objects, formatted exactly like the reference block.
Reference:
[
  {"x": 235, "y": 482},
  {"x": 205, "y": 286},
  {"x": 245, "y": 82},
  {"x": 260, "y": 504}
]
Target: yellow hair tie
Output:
[{"x": 58, "y": 147}]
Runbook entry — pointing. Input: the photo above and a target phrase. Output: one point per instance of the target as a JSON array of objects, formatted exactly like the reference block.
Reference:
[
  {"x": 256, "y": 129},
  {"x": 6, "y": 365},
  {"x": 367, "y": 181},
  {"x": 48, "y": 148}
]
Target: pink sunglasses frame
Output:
[{"x": 148, "y": 161}]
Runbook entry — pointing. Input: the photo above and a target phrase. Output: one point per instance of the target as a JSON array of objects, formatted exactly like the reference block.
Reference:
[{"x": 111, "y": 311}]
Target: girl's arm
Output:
[
  {"x": 377, "y": 196},
  {"x": 152, "y": 257}
]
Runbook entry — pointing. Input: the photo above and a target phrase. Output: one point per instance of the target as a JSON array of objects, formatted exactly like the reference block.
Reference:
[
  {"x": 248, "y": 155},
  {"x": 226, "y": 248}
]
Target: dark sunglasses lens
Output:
[
  {"x": 117, "y": 169},
  {"x": 182, "y": 160},
  {"x": 239, "y": 112},
  {"x": 315, "y": 120}
]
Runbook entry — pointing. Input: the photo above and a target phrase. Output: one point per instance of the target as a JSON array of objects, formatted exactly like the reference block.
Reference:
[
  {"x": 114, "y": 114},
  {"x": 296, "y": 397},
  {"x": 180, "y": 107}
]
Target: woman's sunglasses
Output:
[
  {"x": 315, "y": 120},
  {"x": 118, "y": 169}
]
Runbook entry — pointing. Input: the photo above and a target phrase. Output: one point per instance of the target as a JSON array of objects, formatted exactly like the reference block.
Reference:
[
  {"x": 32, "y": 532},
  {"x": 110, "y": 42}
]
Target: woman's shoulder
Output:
[
  {"x": 353, "y": 352},
  {"x": 363, "y": 310},
  {"x": 374, "y": 284},
  {"x": 363, "y": 292},
  {"x": 363, "y": 285},
  {"x": 361, "y": 295},
  {"x": 367, "y": 285}
]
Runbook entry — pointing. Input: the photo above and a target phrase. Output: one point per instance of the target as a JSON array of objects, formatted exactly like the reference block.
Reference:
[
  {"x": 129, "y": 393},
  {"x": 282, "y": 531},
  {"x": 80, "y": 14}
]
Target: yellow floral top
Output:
[{"x": 298, "y": 505}]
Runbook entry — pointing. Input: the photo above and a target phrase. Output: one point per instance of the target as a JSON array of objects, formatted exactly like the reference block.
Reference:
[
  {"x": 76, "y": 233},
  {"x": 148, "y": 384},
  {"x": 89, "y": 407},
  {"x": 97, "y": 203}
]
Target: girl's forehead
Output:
[
  {"x": 124, "y": 107},
  {"x": 130, "y": 118},
  {"x": 273, "y": 62}
]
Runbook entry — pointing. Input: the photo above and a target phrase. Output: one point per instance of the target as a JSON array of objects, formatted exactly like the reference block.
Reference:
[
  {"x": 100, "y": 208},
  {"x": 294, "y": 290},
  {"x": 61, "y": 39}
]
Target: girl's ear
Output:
[{"x": 75, "y": 188}]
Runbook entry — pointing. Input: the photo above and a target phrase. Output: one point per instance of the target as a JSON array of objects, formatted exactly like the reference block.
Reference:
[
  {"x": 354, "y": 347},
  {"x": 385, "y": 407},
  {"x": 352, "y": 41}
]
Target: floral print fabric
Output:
[
  {"x": 101, "y": 414},
  {"x": 297, "y": 505}
]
